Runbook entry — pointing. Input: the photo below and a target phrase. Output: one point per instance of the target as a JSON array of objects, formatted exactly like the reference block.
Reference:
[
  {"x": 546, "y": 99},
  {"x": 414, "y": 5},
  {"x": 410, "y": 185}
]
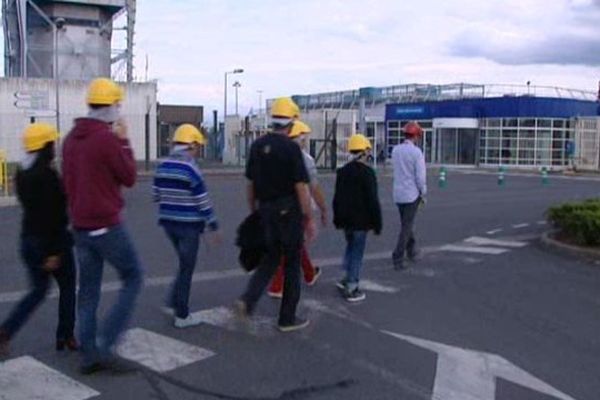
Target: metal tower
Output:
[{"x": 64, "y": 39}]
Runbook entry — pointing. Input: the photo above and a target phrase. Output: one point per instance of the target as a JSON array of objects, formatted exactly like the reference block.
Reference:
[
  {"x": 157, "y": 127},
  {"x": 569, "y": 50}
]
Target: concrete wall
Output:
[{"x": 140, "y": 99}]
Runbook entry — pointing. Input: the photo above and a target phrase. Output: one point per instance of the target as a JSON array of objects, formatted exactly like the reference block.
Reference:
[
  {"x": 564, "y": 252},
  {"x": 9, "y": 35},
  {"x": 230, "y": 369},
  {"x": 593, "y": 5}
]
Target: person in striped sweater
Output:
[{"x": 185, "y": 212}]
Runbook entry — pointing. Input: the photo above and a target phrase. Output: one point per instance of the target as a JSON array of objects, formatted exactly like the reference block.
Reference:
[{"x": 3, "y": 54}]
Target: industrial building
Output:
[
  {"x": 465, "y": 124},
  {"x": 52, "y": 50}
]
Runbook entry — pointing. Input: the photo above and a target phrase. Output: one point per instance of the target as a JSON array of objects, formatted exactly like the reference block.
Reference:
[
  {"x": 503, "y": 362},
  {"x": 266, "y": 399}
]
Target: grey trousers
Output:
[{"x": 406, "y": 239}]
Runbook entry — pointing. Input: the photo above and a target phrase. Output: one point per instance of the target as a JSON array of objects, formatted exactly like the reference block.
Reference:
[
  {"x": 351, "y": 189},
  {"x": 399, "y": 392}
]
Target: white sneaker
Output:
[{"x": 190, "y": 320}]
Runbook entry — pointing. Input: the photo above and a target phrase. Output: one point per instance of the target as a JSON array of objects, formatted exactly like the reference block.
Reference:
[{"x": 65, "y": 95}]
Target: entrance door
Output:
[
  {"x": 448, "y": 145},
  {"x": 467, "y": 146}
]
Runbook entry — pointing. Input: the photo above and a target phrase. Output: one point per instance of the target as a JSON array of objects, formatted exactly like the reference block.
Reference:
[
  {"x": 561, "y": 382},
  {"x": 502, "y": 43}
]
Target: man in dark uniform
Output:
[{"x": 278, "y": 187}]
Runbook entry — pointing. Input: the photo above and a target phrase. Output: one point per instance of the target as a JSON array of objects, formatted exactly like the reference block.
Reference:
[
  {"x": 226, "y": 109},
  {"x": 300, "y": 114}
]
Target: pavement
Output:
[{"x": 487, "y": 313}]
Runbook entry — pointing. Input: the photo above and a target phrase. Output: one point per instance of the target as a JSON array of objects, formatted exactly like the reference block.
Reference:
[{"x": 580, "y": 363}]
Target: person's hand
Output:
[
  {"x": 51, "y": 264},
  {"x": 120, "y": 128},
  {"x": 310, "y": 230},
  {"x": 215, "y": 238},
  {"x": 422, "y": 202}
]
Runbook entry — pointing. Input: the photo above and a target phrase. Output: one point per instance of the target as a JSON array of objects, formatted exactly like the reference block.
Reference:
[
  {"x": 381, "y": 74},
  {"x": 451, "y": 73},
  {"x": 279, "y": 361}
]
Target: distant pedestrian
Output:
[
  {"x": 46, "y": 244},
  {"x": 97, "y": 162},
  {"x": 185, "y": 213},
  {"x": 278, "y": 187},
  {"x": 410, "y": 189},
  {"x": 356, "y": 211},
  {"x": 299, "y": 134}
]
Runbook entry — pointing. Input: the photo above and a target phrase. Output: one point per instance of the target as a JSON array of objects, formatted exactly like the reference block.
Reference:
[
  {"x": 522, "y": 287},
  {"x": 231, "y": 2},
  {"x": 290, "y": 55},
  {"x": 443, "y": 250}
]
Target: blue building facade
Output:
[{"x": 509, "y": 130}]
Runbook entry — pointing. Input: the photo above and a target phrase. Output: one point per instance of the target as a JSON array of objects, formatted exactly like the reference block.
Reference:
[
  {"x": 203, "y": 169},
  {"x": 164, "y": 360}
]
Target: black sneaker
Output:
[
  {"x": 300, "y": 323},
  {"x": 114, "y": 365},
  {"x": 355, "y": 295}
]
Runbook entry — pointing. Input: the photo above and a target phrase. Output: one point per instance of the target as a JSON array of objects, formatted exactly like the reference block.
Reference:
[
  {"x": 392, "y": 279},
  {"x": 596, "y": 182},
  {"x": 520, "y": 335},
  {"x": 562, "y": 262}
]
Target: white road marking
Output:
[
  {"x": 542, "y": 222},
  {"x": 223, "y": 317},
  {"x": 520, "y": 226},
  {"x": 372, "y": 286},
  {"x": 473, "y": 249},
  {"x": 481, "y": 241},
  {"x": 494, "y": 231},
  {"x": 26, "y": 378},
  {"x": 158, "y": 352},
  {"x": 463, "y": 374}
]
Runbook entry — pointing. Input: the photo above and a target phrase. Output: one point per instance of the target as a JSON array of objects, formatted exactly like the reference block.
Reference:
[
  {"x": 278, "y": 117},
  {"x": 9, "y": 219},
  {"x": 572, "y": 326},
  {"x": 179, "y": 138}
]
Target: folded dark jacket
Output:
[{"x": 251, "y": 241}]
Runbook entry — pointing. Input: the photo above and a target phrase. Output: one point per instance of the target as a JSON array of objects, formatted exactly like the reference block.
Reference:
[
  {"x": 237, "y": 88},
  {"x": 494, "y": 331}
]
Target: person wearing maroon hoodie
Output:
[{"x": 97, "y": 162}]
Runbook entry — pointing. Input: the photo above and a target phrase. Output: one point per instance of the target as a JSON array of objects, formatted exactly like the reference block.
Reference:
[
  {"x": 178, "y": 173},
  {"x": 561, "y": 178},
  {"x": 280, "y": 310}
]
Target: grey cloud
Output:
[{"x": 560, "y": 50}]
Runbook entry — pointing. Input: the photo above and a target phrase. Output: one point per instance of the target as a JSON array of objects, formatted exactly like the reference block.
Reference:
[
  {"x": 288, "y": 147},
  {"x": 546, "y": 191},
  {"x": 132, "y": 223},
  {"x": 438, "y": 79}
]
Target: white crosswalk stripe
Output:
[
  {"x": 473, "y": 249},
  {"x": 26, "y": 378},
  {"x": 224, "y": 317},
  {"x": 481, "y": 241},
  {"x": 158, "y": 352}
]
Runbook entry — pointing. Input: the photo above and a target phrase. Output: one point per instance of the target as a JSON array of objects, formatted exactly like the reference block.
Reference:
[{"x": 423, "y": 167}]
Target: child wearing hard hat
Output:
[
  {"x": 185, "y": 213},
  {"x": 356, "y": 211},
  {"x": 46, "y": 244}
]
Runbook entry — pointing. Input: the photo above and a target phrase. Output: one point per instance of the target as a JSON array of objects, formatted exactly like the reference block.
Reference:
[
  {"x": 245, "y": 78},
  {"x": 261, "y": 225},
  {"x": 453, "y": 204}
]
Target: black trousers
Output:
[{"x": 282, "y": 222}]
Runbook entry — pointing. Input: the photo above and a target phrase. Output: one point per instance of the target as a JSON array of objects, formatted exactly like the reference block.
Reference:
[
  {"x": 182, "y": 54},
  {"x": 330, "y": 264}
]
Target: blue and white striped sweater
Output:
[{"x": 181, "y": 193}]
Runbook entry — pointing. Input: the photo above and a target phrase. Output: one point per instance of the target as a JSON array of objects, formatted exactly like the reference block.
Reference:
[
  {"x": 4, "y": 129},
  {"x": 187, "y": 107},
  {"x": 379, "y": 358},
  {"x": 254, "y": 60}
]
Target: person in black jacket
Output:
[
  {"x": 356, "y": 210},
  {"x": 46, "y": 244}
]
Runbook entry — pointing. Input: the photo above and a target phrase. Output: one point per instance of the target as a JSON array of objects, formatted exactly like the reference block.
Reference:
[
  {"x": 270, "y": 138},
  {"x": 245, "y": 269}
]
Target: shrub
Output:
[{"x": 578, "y": 222}]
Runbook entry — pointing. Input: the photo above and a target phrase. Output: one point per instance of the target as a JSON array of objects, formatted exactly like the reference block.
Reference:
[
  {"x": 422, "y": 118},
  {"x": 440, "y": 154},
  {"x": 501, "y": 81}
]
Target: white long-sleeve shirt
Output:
[{"x": 410, "y": 174}]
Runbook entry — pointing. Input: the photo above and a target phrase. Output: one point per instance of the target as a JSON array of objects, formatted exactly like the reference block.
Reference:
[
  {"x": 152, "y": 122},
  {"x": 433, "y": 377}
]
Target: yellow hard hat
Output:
[
  {"x": 299, "y": 128},
  {"x": 188, "y": 134},
  {"x": 38, "y": 135},
  {"x": 104, "y": 92},
  {"x": 284, "y": 108},
  {"x": 358, "y": 142}
]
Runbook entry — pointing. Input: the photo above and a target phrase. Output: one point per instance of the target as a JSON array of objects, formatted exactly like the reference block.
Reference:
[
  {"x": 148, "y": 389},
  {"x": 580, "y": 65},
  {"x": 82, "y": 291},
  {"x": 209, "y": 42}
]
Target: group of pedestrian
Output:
[{"x": 84, "y": 210}]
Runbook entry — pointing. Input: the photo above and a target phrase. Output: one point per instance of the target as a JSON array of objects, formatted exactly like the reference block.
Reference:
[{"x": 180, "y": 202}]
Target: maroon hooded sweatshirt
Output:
[{"x": 96, "y": 163}]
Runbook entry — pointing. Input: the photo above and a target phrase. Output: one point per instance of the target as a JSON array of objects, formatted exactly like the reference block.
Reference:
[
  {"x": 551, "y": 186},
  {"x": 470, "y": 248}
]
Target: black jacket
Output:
[
  {"x": 356, "y": 199},
  {"x": 41, "y": 194},
  {"x": 251, "y": 241}
]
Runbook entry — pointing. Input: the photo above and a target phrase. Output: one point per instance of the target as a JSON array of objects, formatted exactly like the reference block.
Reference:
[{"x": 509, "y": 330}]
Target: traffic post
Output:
[
  {"x": 501, "y": 176},
  {"x": 442, "y": 181}
]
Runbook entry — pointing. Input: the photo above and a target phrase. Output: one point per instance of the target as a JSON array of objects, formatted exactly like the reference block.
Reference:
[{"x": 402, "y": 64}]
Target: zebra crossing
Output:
[{"x": 484, "y": 245}]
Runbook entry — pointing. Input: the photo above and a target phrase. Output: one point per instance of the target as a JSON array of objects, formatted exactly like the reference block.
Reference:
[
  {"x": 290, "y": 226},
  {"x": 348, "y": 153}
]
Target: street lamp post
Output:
[
  {"x": 236, "y": 85},
  {"x": 225, "y": 141},
  {"x": 235, "y": 71}
]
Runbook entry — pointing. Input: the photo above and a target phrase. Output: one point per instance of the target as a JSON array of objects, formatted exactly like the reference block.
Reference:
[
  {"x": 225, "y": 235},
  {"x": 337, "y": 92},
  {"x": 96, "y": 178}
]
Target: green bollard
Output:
[
  {"x": 545, "y": 180},
  {"x": 442, "y": 181},
  {"x": 501, "y": 176}
]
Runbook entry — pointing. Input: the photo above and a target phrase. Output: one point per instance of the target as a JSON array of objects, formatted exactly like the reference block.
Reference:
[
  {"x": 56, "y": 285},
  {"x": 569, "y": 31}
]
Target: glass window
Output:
[
  {"x": 545, "y": 134},
  {"x": 511, "y": 122},
  {"x": 393, "y": 124},
  {"x": 494, "y": 122},
  {"x": 527, "y": 134},
  {"x": 426, "y": 124},
  {"x": 495, "y": 143},
  {"x": 558, "y": 123},
  {"x": 527, "y": 143},
  {"x": 527, "y": 122},
  {"x": 509, "y": 134},
  {"x": 557, "y": 135},
  {"x": 544, "y": 123}
]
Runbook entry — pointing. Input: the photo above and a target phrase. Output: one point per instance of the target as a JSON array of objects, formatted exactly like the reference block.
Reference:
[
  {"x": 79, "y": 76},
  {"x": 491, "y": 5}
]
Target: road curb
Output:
[{"x": 568, "y": 249}]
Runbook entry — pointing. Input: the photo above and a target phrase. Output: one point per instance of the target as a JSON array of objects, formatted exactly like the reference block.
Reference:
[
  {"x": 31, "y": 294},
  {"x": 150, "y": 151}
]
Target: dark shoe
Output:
[
  {"x": 297, "y": 325},
  {"x": 354, "y": 296},
  {"x": 114, "y": 364},
  {"x": 414, "y": 255},
  {"x": 4, "y": 343},
  {"x": 69, "y": 344},
  {"x": 399, "y": 265}
]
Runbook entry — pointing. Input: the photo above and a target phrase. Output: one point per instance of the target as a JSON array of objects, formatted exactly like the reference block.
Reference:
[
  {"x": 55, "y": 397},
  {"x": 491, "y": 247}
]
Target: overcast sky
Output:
[{"x": 312, "y": 46}]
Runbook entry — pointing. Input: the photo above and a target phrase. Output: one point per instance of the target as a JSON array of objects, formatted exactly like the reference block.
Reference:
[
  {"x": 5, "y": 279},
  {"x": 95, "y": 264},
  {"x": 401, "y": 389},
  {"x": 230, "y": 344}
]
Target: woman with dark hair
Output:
[{"x": 46, "y": 244}]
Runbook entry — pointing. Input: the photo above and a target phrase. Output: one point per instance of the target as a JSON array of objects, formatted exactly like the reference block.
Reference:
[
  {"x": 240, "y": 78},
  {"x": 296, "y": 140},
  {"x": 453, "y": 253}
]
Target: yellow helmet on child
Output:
[
  {"x": 36, "y": 136},
  {"x": 299, "y": 128},
  {"x": 188, "y": 134},
  {"x": 358, "y": 142}
]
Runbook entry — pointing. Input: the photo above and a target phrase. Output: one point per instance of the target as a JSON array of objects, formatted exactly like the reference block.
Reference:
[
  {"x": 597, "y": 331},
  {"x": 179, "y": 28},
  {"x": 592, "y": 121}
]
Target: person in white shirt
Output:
[{"x": 410, "y": 189}]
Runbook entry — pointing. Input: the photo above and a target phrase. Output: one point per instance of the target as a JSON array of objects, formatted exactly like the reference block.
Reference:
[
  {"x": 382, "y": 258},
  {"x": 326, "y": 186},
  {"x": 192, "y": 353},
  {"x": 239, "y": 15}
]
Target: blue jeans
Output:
[
  {"x": 353, "y": 258},
  {"x": 39, "y": 282},
  {"x": 116, "y": 248},
  {"x": 186, "y": 240}
]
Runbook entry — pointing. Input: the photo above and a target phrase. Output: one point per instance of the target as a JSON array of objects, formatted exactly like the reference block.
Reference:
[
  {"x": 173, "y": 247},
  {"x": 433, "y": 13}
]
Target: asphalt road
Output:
[{"x": 486, "y": 314}]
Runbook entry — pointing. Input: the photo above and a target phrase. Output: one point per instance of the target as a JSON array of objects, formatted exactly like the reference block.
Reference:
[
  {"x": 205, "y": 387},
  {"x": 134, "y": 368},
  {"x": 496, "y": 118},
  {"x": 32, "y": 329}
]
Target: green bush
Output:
[{"x": 578, "y": 222}]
